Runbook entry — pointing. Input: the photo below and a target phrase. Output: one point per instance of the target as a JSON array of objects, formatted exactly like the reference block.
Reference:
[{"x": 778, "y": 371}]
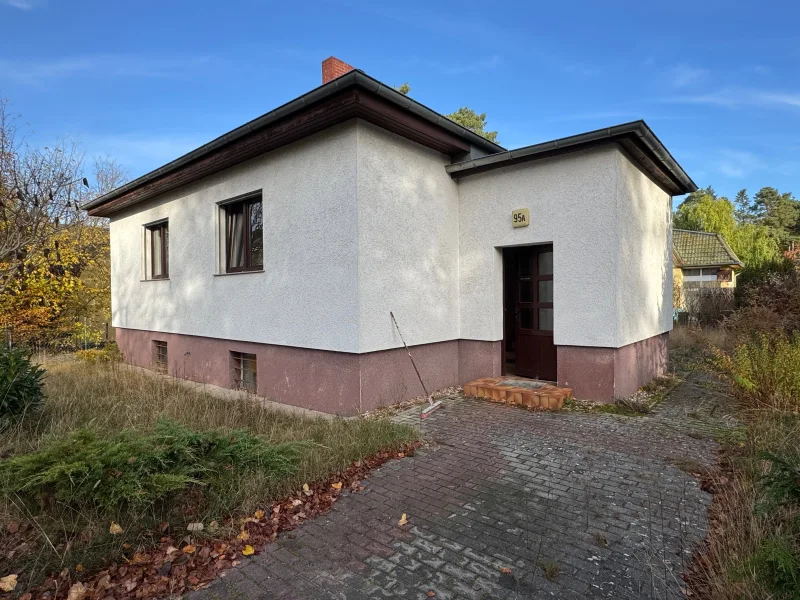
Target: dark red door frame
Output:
[{"x": 535, "y": 353}]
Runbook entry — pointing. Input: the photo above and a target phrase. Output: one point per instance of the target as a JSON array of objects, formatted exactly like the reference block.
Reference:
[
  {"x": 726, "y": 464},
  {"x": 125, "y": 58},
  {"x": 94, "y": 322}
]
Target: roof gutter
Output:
[
  {"x": 636, "y": 129},
  {"x": 354, "y": 78}
]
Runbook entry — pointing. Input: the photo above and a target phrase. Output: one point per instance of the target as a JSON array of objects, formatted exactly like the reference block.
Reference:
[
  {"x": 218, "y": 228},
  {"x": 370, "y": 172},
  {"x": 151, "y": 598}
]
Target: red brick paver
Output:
[{"x": 504, "y": 503}]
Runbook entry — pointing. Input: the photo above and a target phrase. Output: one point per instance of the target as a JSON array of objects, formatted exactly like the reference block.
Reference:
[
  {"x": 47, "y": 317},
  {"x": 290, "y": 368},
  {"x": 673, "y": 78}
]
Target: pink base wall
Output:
[
  {"x": 332, "y": 382},
  {"x": 347, "y": 384},
  {"x": 603, "y": 374}
]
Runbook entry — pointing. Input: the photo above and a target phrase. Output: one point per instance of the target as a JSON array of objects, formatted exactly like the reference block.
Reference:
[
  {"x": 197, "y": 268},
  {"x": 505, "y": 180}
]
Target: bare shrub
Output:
[
  {"x": 768, "y": 304},
  {"x": 709, "y": 306}
]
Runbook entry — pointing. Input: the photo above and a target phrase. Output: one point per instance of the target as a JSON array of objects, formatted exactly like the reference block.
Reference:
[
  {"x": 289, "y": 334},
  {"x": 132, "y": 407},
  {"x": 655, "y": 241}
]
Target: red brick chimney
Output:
[{"x": 332, "y": 68}]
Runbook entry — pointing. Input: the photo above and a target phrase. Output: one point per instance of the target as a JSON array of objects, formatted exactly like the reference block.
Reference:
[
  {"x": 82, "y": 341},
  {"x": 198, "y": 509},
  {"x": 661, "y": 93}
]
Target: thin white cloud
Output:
[
  {"x": 738, "y": 163},
  {"x": 581, "y": 69},
  {"x": 20, "y": 4},
  {"x": 684, "y": 75},
  {"x": 141, "y": 152},
  {"x": 741, "y": 97},
  {"x": 484, "y": 64},
  {"x": 34, "y": 71}
]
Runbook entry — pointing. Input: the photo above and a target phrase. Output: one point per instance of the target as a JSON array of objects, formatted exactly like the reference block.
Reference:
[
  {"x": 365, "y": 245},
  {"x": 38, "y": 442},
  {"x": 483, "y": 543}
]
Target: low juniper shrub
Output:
[
  {"x": 21, "y": 389},
  {"x": 134, "y": 469}
]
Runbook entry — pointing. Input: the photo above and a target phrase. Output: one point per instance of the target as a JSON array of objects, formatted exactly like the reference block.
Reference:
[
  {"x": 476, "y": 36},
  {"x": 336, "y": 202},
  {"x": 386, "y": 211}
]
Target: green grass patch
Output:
[{"x": 113, "y": 444}]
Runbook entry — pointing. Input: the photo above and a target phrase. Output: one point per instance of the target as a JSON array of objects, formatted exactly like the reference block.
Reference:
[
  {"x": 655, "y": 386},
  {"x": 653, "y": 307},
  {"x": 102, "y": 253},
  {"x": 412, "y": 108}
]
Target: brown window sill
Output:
[{"x": 157, "y": 279}]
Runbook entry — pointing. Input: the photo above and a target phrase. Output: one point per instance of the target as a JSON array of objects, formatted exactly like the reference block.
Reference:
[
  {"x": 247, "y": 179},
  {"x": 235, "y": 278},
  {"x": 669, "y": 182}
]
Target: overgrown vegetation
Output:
[
  {"x": 21, "y": 389},
  {"x": 147, "y": 454},
  {"x": 134, "y": 469},
  {"x": 753, "y": 547}
]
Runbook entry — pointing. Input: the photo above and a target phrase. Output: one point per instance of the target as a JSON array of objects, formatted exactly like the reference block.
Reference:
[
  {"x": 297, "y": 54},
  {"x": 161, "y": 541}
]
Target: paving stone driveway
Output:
[{"x": 574, "y": 505}]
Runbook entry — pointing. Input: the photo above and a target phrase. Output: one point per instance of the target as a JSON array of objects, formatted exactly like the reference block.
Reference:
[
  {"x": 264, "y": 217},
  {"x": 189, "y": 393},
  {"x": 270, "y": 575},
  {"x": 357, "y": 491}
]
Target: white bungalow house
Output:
[{"x": 271, "y": 257}]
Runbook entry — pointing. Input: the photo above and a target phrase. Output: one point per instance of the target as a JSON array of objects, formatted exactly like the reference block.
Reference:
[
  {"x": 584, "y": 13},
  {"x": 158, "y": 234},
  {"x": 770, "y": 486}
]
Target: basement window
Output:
[
  {"x": 160, "y": 360},
  {"x": 244, "y": 371}
]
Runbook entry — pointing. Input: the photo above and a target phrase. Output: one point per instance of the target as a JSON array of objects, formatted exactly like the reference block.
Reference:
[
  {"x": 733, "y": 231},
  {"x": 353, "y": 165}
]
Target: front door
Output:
[{"x": 532, "y": 289}]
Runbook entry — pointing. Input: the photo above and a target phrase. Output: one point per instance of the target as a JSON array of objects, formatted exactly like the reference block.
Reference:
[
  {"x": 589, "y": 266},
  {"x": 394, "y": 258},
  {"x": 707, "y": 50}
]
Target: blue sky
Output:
[{"x": 144, "y": 82}]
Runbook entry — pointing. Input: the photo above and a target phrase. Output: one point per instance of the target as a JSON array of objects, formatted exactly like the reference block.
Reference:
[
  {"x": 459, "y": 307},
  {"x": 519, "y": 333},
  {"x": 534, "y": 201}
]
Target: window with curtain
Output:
[
  {"x": 244, "y": 235},
  {"x": 158, "y": 250}
]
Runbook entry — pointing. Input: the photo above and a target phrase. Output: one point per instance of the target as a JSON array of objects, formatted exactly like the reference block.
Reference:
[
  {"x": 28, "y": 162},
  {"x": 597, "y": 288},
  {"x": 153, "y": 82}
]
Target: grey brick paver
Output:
[{"x": 499, "y": 487}]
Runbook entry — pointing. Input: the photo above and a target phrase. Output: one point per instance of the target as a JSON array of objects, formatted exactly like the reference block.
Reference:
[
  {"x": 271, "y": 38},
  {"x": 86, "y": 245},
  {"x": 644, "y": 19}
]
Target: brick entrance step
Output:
[{"x": 519, "y": 391}]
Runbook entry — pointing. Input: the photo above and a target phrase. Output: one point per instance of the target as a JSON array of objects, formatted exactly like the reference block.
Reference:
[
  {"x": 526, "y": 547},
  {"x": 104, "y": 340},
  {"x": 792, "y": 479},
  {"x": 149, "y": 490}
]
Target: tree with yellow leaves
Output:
[{"x": 54, "y": 259}]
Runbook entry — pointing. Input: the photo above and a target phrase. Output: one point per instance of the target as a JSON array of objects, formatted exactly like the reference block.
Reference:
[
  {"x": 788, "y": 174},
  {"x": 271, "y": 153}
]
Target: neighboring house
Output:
[
  {"x": 701, "y": 260},
  {"x": 270, "y": 258}
]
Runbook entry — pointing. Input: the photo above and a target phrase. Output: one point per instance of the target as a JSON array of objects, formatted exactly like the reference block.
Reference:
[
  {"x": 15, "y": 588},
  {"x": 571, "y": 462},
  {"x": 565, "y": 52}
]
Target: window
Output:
[
  {"x": 244, "y": 235},
  {"x": 157, "y": 250},
  {"x": 160, "y": 361},
  {"x": 244, "y": 371}
]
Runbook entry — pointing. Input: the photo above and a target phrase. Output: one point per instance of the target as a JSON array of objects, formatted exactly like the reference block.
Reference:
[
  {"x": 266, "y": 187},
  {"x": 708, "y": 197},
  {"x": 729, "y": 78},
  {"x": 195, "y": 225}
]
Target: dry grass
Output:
[
  {"x": 110, "y": 399},
  {"x": 732, "y": 563},
  {"x": 751, "y": 551}
]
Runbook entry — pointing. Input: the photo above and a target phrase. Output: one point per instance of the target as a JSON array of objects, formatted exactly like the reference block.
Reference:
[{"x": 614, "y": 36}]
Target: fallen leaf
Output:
[
  {"x": 130, "y": 585},
  {"x": 189, "y": 549},
  {"x": 165, "y": 569},
  {"x": 79, "y": 568},
  {"x": 171, "y": 550},
  {"x": 430, "y": 594},
  {"x": 243, "y": 535},
  {"x": 403, "y": 520},
  {"x": 140, "y": 558},
  {"x": 26, "y": 596},
  {"x": 104, "y": 582},
  {"x": 248, "y": 550},
  {"x": 306, "y": 490},
  {"x": 276, "y": 509},
  {"x": 77, "y": 591},
  {"x": 213, "y": 526},
  {"x": 337, "y": 485},
  {"x": 13, "y": 527},
  {"x": 296, "y": 502},
  {"x": 401, "y": 455},
  {"x": 505, "y": 571},
  {"x": 115, "y": 529},
  {"x": 195, "y": 527},
  {"x": 8, "y": 583},
  {"x": 259, "y": 514}
]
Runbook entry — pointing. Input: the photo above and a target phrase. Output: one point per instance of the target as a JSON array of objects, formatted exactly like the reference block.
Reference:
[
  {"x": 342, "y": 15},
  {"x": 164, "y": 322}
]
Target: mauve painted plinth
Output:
[
  {"x": 602, "y": 374},
  {"x": 333, "y": 382}
]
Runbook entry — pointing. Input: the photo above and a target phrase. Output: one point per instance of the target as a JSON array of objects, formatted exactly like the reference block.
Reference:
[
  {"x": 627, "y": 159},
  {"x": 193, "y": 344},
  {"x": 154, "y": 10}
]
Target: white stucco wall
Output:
[
  {"x": 307, "y": 294},
  {"x": 572, "y": 202},
  {"x": 359, "y": 221},
  {"x": 407, "y": 241},
  {"x": 607, "y": 222},
  {"x": 644, "y": 274}
]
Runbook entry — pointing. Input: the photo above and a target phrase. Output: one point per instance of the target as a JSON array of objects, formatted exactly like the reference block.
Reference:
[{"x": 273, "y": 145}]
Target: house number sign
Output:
[{"x": 521, "y": 217}]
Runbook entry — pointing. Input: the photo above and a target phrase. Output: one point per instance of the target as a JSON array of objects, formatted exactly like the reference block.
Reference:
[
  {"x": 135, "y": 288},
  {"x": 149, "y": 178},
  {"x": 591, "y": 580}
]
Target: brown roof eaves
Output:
[
  {"x": 635, "y": 137},
  {"x": 354, "y": 80}
]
